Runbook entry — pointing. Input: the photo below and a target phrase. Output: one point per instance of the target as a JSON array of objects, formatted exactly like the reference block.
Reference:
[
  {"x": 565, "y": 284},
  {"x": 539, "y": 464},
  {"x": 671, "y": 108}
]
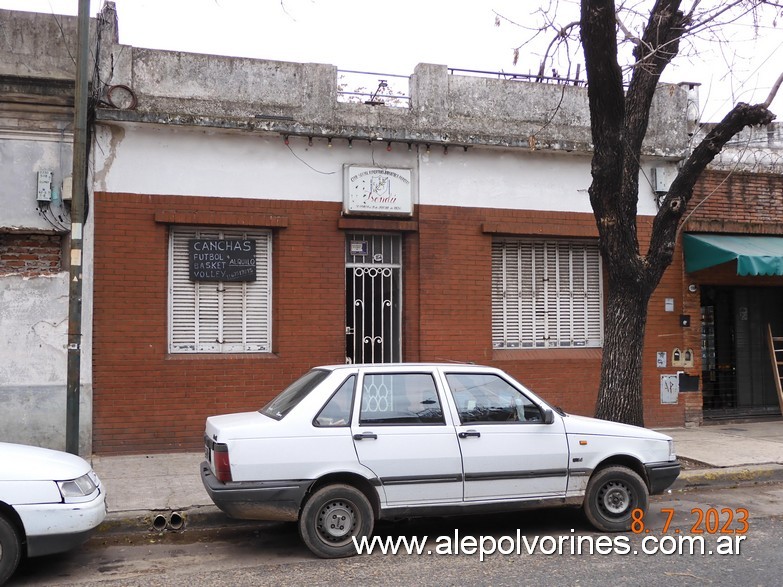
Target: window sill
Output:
[
  {"x": 551, "y": 354},
  {"x": 219, "y": 356}
]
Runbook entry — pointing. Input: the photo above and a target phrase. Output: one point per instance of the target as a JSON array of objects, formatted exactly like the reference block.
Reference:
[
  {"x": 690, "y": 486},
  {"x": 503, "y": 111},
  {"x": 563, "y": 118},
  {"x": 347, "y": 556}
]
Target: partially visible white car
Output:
[{"x": 50, "y": 501}]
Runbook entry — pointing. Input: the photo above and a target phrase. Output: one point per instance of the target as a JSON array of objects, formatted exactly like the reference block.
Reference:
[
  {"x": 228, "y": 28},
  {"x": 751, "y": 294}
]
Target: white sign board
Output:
[
  {"x": 670, "y": 389},
  {"x": 377, "y": 190}
]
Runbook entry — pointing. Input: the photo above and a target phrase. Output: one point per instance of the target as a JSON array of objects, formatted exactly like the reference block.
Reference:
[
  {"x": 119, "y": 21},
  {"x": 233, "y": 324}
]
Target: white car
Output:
[
  {"x": 348, "y": 444},
  {"x": 50, "y": 501}
]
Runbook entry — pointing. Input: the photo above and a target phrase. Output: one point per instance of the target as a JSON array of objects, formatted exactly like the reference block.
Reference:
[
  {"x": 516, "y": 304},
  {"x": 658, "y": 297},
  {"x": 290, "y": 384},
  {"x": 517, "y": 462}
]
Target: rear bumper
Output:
[
  {"x": 256, "y": 500},
  {"x": 662, "y": 475}
]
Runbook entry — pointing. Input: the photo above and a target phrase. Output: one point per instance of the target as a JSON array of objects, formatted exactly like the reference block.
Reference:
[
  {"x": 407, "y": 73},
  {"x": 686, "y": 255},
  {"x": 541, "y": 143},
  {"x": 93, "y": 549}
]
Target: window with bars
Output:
[
  {"x": 546, "y": 294},
  {"x": 219, "y": 317}
]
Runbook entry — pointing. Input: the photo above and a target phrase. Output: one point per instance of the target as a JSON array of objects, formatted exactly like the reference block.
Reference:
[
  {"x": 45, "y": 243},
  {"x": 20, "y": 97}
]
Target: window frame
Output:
[
  {"x": 346, "y": 421},
  {"x": 370, "y": 423},
  {"x": 516, "y": 392},
  {"x": 541, "y": 298},
  {"x": 284, "y": 402},
  {"x": 252, "y": 308}
]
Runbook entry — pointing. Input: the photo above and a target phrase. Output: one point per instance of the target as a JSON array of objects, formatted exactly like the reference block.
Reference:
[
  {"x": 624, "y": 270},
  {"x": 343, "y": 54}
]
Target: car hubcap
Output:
[
  {"x": 336, "y": 520},
  {"x": 615, "y": 498}
]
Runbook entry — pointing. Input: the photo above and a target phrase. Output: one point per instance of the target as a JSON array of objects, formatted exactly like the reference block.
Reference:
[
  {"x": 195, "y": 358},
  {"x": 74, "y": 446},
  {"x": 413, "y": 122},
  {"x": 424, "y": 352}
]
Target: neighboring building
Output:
[
  {"x": 36, "y": 122},
  {"x": 453, "y": 227},
  {"x": 734, "y": 274}
]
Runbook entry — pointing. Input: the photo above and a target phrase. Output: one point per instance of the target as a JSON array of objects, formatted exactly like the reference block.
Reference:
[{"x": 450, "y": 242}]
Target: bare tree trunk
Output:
[{"x": 620, "y": 398}]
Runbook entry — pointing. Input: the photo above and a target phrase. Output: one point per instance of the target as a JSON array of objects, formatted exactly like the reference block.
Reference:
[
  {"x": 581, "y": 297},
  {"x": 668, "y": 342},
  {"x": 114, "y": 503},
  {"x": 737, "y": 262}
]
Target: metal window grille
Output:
[
  {"x": 546, "y": 294},
  {"x": 219, "y": 317}
]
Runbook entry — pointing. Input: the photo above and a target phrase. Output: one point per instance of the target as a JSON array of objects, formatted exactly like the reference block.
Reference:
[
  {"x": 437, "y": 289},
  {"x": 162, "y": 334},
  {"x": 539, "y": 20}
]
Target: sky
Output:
[{"x": 392, "y": 37}]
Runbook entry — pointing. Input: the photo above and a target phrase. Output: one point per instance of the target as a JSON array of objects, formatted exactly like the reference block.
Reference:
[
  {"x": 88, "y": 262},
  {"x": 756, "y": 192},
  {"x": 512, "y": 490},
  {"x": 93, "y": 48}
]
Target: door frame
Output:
[{"x": 373, "y": 256}]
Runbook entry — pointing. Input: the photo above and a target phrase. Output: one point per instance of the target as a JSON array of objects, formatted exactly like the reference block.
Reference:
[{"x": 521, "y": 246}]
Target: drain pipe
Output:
[
  {"x": 159, "y": 523},
  {"x": 174, "y": 521}
]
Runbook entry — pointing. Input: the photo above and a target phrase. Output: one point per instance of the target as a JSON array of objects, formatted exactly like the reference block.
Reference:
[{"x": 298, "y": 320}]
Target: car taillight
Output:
[{"x": 222, "y": 463}]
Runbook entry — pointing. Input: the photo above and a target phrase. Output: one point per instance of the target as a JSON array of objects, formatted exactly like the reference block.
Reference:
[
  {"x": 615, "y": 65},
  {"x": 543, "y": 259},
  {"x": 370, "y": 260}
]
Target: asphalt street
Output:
[{"x": 272, "y": 554}]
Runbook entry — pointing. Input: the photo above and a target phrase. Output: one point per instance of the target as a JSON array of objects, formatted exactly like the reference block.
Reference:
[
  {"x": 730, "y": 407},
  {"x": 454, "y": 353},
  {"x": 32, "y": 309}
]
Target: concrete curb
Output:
[
  {"x": 205, "y": 518},
  {"x": 723, "y": 477},
  {"x": 166, "y": 521}
]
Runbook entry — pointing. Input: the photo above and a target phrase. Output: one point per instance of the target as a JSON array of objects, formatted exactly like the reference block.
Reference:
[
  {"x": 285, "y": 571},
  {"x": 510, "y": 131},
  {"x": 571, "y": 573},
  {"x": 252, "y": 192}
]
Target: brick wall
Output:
[
  {"x": 30, "y": 254},
  {"x": 750, "y": 203},
  {"x": 456, "y": 310},
  {"x": 147, "y": 400}
]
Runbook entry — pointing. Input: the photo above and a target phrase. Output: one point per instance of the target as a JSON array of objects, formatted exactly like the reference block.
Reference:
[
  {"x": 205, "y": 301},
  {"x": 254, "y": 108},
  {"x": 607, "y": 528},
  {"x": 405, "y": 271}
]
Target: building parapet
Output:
[{"x": 178, "y": 88}]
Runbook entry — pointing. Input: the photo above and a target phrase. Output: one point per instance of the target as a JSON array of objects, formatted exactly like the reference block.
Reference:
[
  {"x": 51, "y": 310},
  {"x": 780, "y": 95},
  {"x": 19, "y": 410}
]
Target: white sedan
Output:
[
  {"x": 50, "y": 501},
  {"x": 348, "y": 444}
]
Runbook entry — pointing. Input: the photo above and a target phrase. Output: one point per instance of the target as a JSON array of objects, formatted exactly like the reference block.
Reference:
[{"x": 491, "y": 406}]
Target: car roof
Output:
[{"x": 399, "y": 365}]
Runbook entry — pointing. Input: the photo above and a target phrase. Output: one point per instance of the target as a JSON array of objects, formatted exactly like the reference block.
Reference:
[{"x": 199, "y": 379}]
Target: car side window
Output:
[
  {"x": 487, "y": 398},
  {"x": 337, "y": 411},
  {"x": 400, "y": 398}
]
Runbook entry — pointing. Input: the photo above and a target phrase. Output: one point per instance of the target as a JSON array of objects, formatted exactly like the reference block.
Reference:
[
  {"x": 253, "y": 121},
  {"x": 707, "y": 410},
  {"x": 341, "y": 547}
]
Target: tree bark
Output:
[{"x": 620, "y": 397}]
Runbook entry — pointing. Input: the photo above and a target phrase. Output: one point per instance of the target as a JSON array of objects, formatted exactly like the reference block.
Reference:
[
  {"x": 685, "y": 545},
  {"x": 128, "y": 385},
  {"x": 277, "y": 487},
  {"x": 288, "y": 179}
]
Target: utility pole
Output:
[{"x": 79, "y": 177}]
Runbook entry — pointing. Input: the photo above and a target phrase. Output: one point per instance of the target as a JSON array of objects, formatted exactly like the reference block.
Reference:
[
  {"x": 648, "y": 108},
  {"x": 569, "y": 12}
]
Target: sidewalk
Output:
[{"x": 164, "y": 491}]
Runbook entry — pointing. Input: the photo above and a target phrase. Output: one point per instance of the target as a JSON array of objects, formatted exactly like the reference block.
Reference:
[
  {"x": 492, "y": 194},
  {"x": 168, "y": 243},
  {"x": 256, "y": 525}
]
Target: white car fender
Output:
[{"x": 29, "y": 492}]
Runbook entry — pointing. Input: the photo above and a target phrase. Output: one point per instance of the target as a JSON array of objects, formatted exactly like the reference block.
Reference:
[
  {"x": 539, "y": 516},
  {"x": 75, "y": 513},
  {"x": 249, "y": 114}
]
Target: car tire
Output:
[
  {"x": 331, "y": 517},
  {"x": 10, "y": 549},
  {"x": 613, "y": 493}
]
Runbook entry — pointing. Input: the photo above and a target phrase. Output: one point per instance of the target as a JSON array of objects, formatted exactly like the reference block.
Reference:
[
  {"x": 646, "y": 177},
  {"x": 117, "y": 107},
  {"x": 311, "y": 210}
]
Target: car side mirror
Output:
[{"x": 549, "y": 416}]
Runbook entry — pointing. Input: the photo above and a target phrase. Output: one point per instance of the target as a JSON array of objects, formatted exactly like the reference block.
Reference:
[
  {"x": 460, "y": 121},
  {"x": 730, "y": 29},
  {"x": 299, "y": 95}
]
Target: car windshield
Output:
[{"x": 293, "y": 394}]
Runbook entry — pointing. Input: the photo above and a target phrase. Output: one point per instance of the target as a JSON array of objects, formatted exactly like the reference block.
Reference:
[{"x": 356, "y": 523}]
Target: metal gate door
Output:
[{"x": 373, "y": 286}]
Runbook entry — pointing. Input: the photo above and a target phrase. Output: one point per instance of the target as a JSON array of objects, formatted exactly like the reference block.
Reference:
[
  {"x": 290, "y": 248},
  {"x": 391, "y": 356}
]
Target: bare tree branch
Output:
[
  {"x": 628, "y": 34},
  {"x": 561, "y": 37},
  {"x": 666, "y": 223},
  {"x": 774, "y": 91}
]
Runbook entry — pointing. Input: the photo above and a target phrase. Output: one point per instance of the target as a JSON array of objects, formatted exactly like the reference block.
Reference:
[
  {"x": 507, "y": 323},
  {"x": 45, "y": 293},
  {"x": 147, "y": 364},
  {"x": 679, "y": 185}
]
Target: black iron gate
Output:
[{"x": 373, "y": 287}]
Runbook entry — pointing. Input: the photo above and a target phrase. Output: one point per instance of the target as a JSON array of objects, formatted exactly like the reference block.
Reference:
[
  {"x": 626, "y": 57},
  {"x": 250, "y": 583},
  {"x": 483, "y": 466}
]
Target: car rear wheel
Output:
[
  {"x": 10, "y": 549},
  {"x": 612, "y": 495},
  {"x": 332, "y": 517}
]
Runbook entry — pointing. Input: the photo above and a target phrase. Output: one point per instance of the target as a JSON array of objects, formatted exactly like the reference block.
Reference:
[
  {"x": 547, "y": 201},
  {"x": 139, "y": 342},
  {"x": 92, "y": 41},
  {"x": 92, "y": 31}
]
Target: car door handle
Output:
[
  {"x": 363, "y": 435},
  {"x": 469, "y": 433}
]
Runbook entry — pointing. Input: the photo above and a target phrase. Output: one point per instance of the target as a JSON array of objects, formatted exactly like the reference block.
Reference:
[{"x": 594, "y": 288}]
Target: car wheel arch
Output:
[
  {"x": 354, "y": 480},
  {"x": 10, "y": 514},
  {"x": 12, "y": 543},
  {"x": 624, "y": 461}
]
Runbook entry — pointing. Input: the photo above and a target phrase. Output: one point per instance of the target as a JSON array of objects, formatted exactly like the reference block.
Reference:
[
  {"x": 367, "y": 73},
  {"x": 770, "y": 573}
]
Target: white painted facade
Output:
[{"x": 241, "y": 165}]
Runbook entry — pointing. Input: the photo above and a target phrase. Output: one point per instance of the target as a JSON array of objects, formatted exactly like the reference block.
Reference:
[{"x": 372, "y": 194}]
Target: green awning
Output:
[{"x": 755, "y": 255}]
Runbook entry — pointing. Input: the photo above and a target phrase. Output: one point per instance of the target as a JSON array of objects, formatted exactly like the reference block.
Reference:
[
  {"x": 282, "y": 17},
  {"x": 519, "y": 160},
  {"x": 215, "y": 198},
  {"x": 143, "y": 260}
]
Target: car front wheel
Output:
[
  {"x": 10, "y": 549},
  {"x": 332, "y": 517},
  {"x": 612, "y": 495}
]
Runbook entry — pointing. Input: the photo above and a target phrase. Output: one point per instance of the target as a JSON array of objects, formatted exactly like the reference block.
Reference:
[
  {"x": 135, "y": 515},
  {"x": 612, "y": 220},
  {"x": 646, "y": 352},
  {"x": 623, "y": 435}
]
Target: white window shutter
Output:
[
  {"x": 183, "y": 328},
  {"x": 594, "y": 297},
  {"x": 218, "y": 317},
  {"x": 258, "y": 325},
  {"x": 526, "y": 316},
  {"x": 546, "y": 294}
]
